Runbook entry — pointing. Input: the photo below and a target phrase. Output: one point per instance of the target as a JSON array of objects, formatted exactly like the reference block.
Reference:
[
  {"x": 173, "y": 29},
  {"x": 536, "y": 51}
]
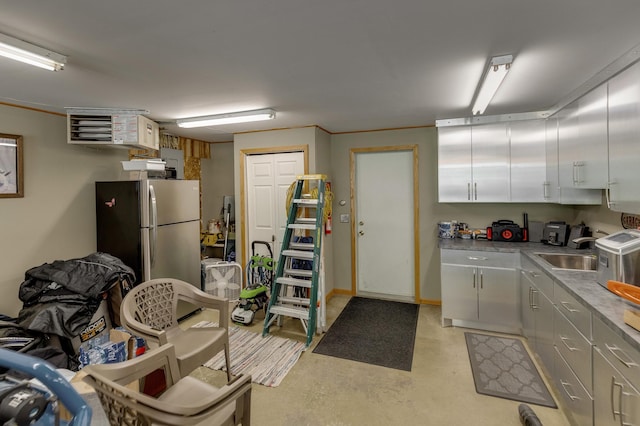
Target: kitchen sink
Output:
[{"x": 581, "y": 262}]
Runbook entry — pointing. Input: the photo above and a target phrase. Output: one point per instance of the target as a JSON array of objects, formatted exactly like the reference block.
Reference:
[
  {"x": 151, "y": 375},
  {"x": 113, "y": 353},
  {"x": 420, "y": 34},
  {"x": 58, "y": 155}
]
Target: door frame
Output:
[
  {"x": 416, "y": 219},
  {"x": 243, "y": 182}
]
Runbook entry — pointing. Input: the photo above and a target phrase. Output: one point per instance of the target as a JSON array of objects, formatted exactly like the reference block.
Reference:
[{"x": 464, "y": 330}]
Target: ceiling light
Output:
[
  {"x": 28, "y": 53},
  {"x": 498, "y": 68},
  {"x": 230, "y": 118}
]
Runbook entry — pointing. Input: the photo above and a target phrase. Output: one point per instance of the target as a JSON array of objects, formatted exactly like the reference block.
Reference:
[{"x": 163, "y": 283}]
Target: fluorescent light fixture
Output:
[
  {"x": 498, "y": 68},
  {"x": 22, "y": 51},
  {"x": 230, "y": 118}
]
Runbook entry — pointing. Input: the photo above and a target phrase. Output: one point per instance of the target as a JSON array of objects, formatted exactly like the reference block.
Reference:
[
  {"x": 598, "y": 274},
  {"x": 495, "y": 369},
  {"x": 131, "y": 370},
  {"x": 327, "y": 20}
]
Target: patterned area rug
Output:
[
  {"x": 267, "y": 359},
  {"x": 502, "y": 367}
]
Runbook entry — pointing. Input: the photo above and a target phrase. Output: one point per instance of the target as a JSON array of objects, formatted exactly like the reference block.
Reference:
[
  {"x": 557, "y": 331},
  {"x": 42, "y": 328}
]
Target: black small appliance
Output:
[
  {"x": 555, "y": 233},
  {"x": 505, "y": 230}
]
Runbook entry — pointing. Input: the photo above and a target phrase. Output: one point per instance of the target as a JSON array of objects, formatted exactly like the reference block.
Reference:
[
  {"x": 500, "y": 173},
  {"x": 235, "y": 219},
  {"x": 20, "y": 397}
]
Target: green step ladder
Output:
[{"x": 294, "y": 292}]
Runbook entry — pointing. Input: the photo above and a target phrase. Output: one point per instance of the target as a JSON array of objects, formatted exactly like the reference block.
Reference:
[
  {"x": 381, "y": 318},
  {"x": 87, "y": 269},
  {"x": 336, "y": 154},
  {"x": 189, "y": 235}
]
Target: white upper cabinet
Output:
[
  {"x": 624, "y": 141},
  {"x": 528, "y": 162},
  {"x": 582, "y": 141}
]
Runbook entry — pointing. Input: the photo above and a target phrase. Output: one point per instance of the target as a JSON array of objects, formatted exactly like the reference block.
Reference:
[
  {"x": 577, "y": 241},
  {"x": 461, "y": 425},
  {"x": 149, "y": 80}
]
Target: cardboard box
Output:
[
  {"x": 99, "y": 325},
  {"x": 117, "y": 346}
]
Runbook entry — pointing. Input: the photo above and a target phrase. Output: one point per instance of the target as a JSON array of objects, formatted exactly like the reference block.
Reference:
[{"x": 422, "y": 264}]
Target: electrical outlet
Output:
[{"x": 344, "y": 218}]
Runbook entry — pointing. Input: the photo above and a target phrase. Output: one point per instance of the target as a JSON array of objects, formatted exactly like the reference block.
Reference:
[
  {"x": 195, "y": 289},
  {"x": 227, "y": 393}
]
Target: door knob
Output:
[{"x": 361, "y": 233}]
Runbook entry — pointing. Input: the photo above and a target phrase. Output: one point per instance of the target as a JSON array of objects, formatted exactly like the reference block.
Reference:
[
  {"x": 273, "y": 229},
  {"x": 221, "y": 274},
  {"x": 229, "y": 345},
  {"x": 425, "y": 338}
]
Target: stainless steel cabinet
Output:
[
  {"x": 473, "y": 164},
  {"x": 576, "y": 398},
  {"x": 624, "y": 141},
  {"x": 616, "y": 378},
  {"x": 490, "y": 160},
  {"x": 454, "y": 164},
  {"x": 582, "y": 141},
  {"x": 480, "y": 288},
  {"x": 537, "y": 311},
  {"x": 553, "y": 193},
  {"x": 528, "y": 162},
  {"x": 616, "y": 401}
]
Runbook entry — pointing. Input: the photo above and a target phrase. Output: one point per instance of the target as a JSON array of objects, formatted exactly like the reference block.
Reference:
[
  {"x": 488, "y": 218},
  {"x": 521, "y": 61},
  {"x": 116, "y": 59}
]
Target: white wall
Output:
[{"x": 56, "y": 218}]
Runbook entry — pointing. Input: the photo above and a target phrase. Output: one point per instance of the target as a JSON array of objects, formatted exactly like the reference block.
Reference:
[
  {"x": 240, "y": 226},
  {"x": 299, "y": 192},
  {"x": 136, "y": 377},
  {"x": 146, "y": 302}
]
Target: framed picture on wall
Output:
[{"x": 11, "y": 166}]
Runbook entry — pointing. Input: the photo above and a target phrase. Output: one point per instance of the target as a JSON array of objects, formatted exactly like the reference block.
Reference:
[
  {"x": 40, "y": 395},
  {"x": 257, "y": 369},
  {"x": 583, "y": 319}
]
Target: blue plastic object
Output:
[{"x": 58, "y": 386}]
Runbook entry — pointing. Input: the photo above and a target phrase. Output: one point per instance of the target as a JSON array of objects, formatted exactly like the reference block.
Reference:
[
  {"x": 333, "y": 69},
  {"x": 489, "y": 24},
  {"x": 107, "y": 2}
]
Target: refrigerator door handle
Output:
[{"x": 153, "y": 224}]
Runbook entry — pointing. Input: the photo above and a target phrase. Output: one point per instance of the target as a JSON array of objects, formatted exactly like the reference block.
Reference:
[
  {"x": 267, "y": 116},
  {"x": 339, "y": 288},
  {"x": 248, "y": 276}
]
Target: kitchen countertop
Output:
[{"x": 603, "y": 304}]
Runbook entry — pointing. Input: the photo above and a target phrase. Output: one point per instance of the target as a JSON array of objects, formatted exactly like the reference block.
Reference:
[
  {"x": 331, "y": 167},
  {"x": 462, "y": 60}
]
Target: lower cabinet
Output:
[
  {"x": 575, "y": 397},
  {"x": 616, "y": 401},
  {"x": 616, "y": 378},
  {"x": 480, "y": 289},
  {"x": 537, "y": 313}
]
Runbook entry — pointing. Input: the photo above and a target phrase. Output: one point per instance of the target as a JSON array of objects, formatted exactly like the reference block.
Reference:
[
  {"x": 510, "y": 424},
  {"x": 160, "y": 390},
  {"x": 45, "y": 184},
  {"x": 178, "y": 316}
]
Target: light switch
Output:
[{"x": 344, "y": 218}]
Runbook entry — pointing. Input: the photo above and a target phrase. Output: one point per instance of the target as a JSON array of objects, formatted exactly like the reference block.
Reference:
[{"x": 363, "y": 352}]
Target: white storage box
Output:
[{"x": 143, "y": 165}]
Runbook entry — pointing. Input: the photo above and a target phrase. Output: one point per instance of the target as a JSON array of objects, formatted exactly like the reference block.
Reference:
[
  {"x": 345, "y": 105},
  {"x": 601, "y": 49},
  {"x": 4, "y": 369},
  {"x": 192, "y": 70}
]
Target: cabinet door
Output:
[
  {"x": 454, "y": 164},
  {"x": 459, "y": 292},
  {"x": 543, "y": 309},
  {"x": 624, "y": 134},
  {"x": 528, "y": 162},
  {"x": 490, "y": 159},
  {"x": 498, "y": 301},
  {"x": 582, "y": 142},
  {"x": 553, "y": 192},
  {"x": 616, "y": 402}
]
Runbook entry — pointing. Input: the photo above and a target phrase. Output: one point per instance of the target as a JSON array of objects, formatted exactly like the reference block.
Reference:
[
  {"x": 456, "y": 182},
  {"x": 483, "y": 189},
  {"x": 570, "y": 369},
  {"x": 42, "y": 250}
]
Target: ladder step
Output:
[
  {"x": 299, "y": 272},
  {"x": 294, "y": 281},
  {"x": 306, "y": 220},
  {"x": 294, "y": 300},
  {"x": 306, "y": 201},
  {"x": 301, "y": 226},
  {"x": 290, "y": 311},
  {"x": 297, "y": 254},
  {"x": 302, "y": 246}
]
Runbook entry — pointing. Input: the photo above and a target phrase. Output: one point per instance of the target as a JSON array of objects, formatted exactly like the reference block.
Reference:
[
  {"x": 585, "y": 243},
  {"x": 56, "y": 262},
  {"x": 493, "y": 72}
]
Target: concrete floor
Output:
[{"x": 322, "y": 390}]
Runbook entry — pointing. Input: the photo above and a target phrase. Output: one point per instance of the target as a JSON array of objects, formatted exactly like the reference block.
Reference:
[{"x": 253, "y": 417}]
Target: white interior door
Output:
[
  {"x": 384, "y": 223},
  {"x": 268, "y": 178}
]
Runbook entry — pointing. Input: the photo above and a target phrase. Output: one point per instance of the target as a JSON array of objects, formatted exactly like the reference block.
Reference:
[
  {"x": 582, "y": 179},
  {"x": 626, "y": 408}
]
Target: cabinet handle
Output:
[
  {"x": 534, "y": 292},
  {"x": 475, "y": 191},
  {"x": 477, "y": 258},
  {"x": 613, "y": 404},
  {"x": 545, "y": 190},
  {"x": 614, "y": 351},
  {"x": 564, "y": 340},
  {"x": 607, "y": 194},
  {"x": 566, "y": 306},
  {"x": 474, "y": 278},
  {"x": 533, "y": 274},
  {"x": 481, "y": 279},
  {"x": 565, "y": 385},
  {"x": 469, "y": 191},
  {"x": 577, "y": 166}
]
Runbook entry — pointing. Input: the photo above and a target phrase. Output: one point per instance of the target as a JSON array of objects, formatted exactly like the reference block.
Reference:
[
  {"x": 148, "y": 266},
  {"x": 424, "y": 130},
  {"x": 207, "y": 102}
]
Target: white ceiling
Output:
[{"x": 344, "y": 65}]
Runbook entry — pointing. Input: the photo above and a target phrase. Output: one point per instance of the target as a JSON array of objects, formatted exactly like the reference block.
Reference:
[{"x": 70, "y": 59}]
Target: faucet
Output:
[{"x": 585, "y": 239}]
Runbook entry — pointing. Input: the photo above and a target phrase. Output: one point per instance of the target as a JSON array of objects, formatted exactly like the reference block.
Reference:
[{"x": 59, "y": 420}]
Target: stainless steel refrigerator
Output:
[{"x": 153, "y": 226}]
